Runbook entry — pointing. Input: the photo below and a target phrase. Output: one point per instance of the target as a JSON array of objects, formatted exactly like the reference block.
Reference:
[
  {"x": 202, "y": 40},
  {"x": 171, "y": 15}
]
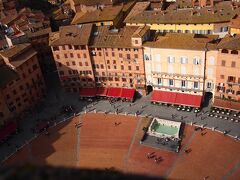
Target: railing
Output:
[
  {"x": 175, "y": 74},
  {"x": 177, "y": 88}
]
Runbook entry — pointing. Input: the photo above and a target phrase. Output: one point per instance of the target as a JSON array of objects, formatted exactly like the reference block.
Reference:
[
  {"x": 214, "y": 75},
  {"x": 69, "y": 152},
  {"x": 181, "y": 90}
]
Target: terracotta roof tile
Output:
[
  {"x": 230, "y": 42},
  {"x": 220, "y": 13},
  {"x": 106, "y": 14},
  {"x": 73, "y": 34},
  {"x": 180, "y": 41},
  {"x": 121, "y": 38}
]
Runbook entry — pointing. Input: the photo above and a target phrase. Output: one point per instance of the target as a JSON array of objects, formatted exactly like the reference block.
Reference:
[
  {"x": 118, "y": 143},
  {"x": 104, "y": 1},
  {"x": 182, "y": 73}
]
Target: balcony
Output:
[
  {"x": 178, "y": 75},
  {"x": 177, "y": 88}
]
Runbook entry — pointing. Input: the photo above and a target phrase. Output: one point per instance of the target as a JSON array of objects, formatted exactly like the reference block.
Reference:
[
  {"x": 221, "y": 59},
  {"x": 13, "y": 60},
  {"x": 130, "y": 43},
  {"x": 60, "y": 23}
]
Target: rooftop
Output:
[
  {"x": 230, "y": 42},
  {"x": 235, "y": 22},
  {"x": 73, "y": 34},
  {"x": 222, "y": 12},
  {"x": 105, "y": 14},
  {"x": 119, "y": 38},
  {"x": 18, "y": 54},
  {"x": 93, "y": 2},
  {"x": 181, "y": 41},
  {"x": 6, "y": 75},
  {"x": 40, "y": 32},
  {"x": 137, "y": 9}
]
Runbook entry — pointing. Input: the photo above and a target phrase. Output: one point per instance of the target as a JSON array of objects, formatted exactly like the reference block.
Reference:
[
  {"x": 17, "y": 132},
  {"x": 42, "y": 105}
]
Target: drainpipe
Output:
[{"x": 205, "y": 66}]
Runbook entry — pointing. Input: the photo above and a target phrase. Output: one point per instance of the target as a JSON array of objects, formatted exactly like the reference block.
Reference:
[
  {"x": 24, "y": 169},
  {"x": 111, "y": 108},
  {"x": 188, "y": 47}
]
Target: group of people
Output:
[{"x": 152, "y": 155}]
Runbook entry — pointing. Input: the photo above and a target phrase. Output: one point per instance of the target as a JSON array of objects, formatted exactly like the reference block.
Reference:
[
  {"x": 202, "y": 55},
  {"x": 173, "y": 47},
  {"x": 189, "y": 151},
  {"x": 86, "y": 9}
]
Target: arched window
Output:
[
  {"x": 234, "y": 52},
  {"x": 225, "y": 51}
]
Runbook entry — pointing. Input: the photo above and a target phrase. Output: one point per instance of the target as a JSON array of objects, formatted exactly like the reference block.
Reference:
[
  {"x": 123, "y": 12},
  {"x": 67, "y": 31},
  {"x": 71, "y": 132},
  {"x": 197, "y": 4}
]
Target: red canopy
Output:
[
  {"x": 226, "y": 104},
  {"x": 163, "y": 97},
  {"x": 114, "y": 92},
  {"x": 7, "y": 130},
  {"x": 102, "y": 91},
  {"x": 176, "y": 98},
  {"x": 88, "y": 92},
  {"x": 128, "y": 93},
  {"x": 188, "y": 100}
]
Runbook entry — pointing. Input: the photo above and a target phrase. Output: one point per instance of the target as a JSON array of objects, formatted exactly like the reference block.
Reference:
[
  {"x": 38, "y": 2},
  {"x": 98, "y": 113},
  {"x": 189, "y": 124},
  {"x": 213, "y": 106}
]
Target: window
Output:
[
  {"x": 224, "y": 29},
  {"x": 234, "y": 52},
  {"x": 84, "y": 55},
  {"x": 225, "y": 51},
  {"x": 183, "y": 84},
  {"x": 122, "y": 67},
  {"x": 195, "y": 85},
  {"x": 73, "y": 63},
  {"x": 108, "y": 62},
  {"x": 196, "y": 61},
  {"x": 106, "y": 53},
  {"x": 86, "y": 63},
  {"x": 183, "y": 60},
  {"x": 76, "y": 47},
  {"x": 158, "y": 68},
  {"x": 78, "y": 55},
  {"x": 69, "y": 47},
  {"x": 128, "y": 56},
  {"x": 55, "y": 48},
  {"x": 120, "y": 55},
  {"x": 57, "y": 56},
  {"x": 114, "y": 61},
  {"x": 183, "y": 70},
  {"x": 158, "y": 58},
  {"x": 67, "y": 63},
  {"x": 99, "y": 53},
  {"x": 135, "y": 56},
  {"x": 233, "y": 64},
  {"x": 80, "y": 63},
  {"x": 209, "y": 85},
  {"x": 63, "y": 47},
  {"x": 83, "y": 47},
  {"x": 170, "y": 82},
  {"x": 146, "y": 57},
  {"x": 71, "y": 55},
  {"x": 211, "y": 60},
  {"x": 222, "y": 76},
  {"x": 210, "y": 72},
  {"x": 137, "y": 68},
  {"x": 102, "y": 67},
  {"x": 65, "y": 55},
  {"x": 136, "y": 41},
  {"x": 223, "y": 63},
  {"x": 159, "y": 81},
  {"x": 113, "y": 54},
  {"x": 170, "y": 59},
  {"x": 69, "y": 72},
  {"x": 129, "y": 68}
]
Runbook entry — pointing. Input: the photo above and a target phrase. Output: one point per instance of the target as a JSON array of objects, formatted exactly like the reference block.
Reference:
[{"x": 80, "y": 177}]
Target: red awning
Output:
[
  {"x": 226, "y": 104},
  {"x": 88, "y": 92},
  {"x": 128, "y": 93},
  {"x": 176, "y": 98},
  {"x": 7, "y": 130},
  {"x": 114, "y": 92},
  {"x": 188, "y": 100},
  {"x": 102, "y": 91},
  {"x": 163, "y": 96}
]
